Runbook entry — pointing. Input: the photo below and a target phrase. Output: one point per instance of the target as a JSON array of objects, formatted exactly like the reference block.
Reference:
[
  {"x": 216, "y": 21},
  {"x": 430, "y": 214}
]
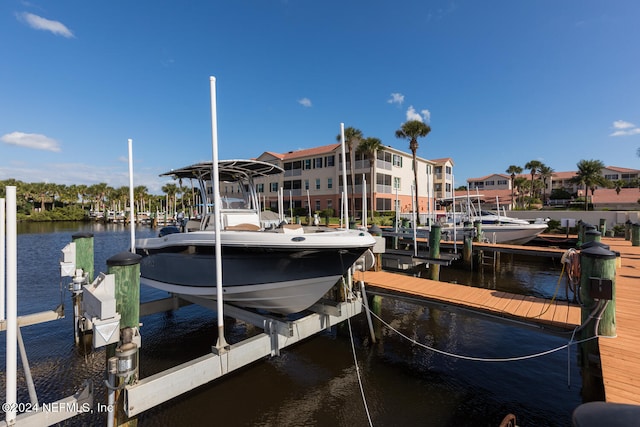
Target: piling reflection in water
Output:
[{"x": 314, "y": 382}]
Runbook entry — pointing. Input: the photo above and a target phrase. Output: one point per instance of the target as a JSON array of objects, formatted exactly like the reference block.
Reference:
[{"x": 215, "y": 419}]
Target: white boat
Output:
[
  {"x": 496, "y": 227},
  {"x": 284, "y": 269}
]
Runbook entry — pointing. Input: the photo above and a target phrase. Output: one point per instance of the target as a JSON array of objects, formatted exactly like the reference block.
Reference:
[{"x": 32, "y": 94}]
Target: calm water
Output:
[{"x": 313, "y": 383}]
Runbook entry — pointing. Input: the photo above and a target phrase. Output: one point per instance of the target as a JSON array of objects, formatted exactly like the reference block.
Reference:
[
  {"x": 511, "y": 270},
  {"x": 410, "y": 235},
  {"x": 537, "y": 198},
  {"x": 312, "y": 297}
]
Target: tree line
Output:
[
  {"x": 50, "y": 201},
  {"x": 589, "y": 176}
]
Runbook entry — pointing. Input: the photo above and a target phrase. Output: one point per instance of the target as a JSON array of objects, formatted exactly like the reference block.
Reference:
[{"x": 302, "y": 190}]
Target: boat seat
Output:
[
  {"x": 292, "y": 229},
  {"x": 243, "y": 227}
]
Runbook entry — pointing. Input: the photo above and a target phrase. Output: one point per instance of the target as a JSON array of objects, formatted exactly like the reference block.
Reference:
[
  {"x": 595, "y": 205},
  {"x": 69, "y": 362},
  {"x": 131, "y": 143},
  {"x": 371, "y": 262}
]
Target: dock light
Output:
[{"x": 127, "y": 364}]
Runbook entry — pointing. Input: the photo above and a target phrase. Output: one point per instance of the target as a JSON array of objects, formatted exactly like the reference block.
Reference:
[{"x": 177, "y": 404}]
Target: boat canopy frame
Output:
[{"x": 237, "y": 170}]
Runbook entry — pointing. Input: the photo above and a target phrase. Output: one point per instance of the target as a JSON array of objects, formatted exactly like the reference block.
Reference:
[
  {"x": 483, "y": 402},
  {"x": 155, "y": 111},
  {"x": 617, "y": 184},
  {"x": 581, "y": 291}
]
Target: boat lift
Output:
[{"x": 32, "y": 413}]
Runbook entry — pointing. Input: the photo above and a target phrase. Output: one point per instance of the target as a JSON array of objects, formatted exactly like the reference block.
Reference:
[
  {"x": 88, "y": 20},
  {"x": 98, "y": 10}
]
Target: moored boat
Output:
[{"x": 283, "y": 269}]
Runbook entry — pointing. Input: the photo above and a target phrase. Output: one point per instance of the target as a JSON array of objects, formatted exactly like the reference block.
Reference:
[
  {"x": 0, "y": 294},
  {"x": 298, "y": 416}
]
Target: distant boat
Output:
[
  {"x": 283, "y": 269},
  {"x": 496, "y": 227}
]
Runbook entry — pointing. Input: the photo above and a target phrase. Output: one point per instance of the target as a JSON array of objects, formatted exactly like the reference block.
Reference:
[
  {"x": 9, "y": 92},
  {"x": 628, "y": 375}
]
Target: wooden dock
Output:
[
  {"x": 620, "y": 356},
  {"x": 528, "y": 309}
]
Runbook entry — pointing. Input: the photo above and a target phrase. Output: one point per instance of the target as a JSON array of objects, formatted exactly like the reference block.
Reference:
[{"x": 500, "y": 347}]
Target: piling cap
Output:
[
  {"x": 596, "y": 251},
  {"x": 82, "y": 235},
  {"x": 436, "y": 226},
  {"x": 123, "y": 259},
  {"x": 592, "y": 244}
]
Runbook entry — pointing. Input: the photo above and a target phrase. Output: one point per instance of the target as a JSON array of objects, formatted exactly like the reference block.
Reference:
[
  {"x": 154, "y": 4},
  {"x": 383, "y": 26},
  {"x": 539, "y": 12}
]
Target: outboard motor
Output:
[{"x": 172, "y": 229}]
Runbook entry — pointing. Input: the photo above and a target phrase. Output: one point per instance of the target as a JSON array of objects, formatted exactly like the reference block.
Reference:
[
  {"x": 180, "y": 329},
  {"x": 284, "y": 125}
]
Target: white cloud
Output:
[
  {"x": 396, "y": 98},
  {"x": 621, "y": 124},
  {"x": 40, "y": 23},
  {"x": 624, "y": 128},
  {"x": 305, "y": 102},
  {"x": 31, "y": 140},
  {"x": 423, "y": 116}
]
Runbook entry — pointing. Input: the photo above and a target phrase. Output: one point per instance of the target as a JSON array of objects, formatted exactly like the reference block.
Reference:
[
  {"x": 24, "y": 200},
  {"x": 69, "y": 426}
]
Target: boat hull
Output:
[
  {"x": 511, "y": 234},
  {"x": 279, "y": 278}
]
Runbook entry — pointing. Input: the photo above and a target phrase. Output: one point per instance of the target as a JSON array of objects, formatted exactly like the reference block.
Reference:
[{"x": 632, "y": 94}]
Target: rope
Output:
[
  {"x": 355, "y": 361},
  {"x": 499, "y": 359}
]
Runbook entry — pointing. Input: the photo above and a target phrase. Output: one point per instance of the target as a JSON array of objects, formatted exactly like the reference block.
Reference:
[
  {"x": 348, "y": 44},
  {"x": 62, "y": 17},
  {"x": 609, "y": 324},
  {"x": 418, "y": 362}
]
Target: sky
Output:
[{"x": 500, "y": 82}]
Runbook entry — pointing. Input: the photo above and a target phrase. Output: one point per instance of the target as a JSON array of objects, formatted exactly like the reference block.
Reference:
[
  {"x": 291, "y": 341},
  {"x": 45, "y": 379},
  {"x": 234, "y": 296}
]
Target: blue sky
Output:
[{"x": 500, "y": 82}]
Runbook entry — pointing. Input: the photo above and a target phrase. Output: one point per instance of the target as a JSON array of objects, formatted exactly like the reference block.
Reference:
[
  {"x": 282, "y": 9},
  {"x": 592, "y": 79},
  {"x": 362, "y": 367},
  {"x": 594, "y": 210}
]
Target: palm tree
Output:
[
  {"x": 170, "y": 190},
  {"x": 520, "y": 183},
  {"x": 534, "y": 167},
  {"x": 590, "y": 175},
  {"x": 546, "y": 173},
  {"x": 352, "y": 138},
  {"x": 619, "y": 185},
  {"x": 369, "y": 147},
  {"x": 412, "y": 130},
  {"x": 513, "y": 170}
]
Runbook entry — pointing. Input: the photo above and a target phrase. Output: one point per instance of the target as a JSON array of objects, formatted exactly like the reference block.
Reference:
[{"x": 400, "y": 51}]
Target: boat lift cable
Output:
[{"x": 355, "y": 361}]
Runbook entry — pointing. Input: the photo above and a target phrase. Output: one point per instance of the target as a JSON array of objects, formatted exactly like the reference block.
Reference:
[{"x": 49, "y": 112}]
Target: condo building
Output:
[{"x": 313, "y": 180}]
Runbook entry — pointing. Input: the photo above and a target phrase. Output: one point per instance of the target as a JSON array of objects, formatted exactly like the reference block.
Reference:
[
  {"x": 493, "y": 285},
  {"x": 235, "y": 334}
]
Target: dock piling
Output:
[
  {"x": 125, "y": 267},
  {"x": 635, "y": 234},
  {"x": 84, "y": 261},
  {"x": 467, "y": 249},
  {"x": 597, "y": 296},
  {"x": 435, "y": 234}
]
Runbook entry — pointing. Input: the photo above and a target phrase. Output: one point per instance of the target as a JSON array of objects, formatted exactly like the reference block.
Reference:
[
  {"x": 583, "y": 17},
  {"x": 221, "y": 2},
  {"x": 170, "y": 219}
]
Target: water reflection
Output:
[{"x": 314, "y": 382}]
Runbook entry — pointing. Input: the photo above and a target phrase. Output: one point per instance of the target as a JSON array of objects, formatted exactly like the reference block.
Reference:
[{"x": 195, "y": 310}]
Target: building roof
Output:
[
  {"x": 305, "y": 152},
  {"x": 483, "y": 178}
]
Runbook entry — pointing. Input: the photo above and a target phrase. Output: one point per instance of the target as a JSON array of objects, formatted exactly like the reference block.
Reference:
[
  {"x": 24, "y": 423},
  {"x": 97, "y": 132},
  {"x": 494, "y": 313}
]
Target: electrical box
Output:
[
  {"x": 99, "y": 298},
  {"x": 99, "y": 303},
  {"x": 68, "y": 263},
  {"x": 600, "y": 288}
]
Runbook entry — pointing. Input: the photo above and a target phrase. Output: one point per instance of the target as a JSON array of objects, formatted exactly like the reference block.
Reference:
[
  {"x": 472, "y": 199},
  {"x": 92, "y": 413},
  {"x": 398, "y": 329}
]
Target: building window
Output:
[
  {"x": 260, "y": 188},
  {"x": 329, "y": 161},
  {"x": 329, "y": 183},
  {"x": 274, "y": 187},
  {"x": 317, "y": 183},
  {"x": 613, "y": 177},
  {"x": 317, "y": 162},
  {"x": 396, "y": 183},
  {"x": 306, "y": 184},
  {"x": 317, "y": 205},
  {"x": 489, "y": 183},
  {"x": 397, "y": 160},
  {"x": 502, "y": 182}
]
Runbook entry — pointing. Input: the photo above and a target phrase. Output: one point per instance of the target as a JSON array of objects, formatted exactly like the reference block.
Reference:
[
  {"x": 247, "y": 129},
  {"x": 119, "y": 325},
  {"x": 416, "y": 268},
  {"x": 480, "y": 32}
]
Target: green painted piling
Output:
[
  {"x": 627, "y": 230},
  {"x": 125, "y": 266},
  {"x": 435, "y": 234},
  {"x": 592, "y": 236},
  {"x": 597, "y": 275},
  {"x": 478, "y": 226},
  {"x": 580, "y": 230},
  {"x": 635, "y": 234},
  {"x": 467, "y": 249},
  {"x": 84, "y": 253},
  {"x": 603, "y": 226}
]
